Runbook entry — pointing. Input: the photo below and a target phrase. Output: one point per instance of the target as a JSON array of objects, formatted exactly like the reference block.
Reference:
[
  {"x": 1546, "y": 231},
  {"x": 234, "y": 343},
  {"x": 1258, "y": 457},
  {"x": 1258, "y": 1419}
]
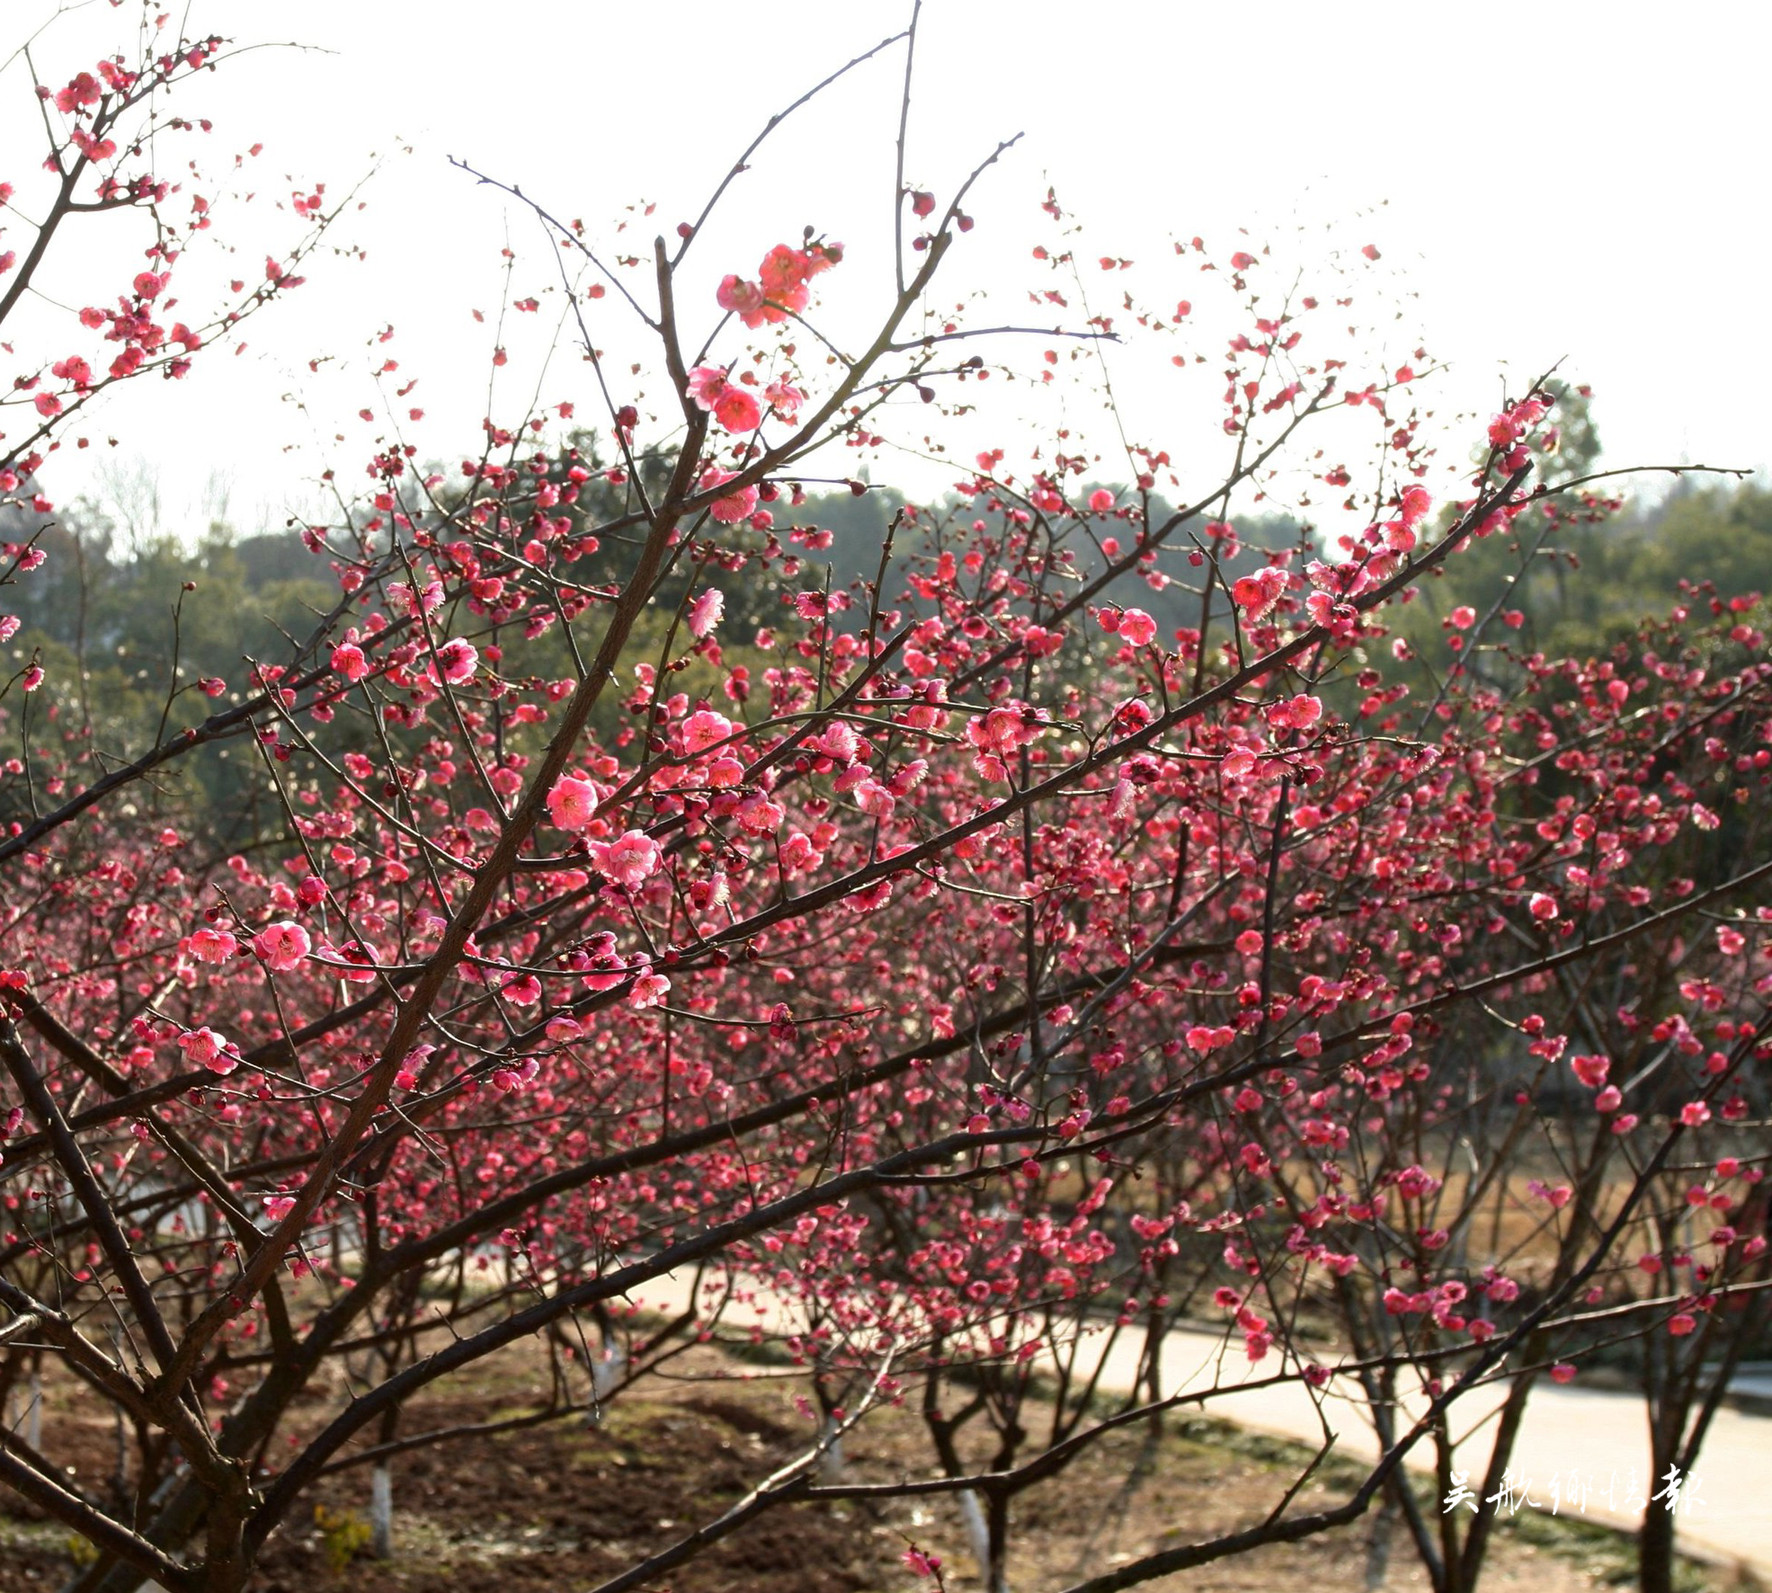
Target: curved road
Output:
[{"x": 1571, "y": 1440}]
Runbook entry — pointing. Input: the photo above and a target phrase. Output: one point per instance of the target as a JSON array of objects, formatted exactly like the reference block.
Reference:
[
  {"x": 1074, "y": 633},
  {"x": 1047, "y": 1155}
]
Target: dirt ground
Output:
[{"x": 566, "y": 1505}]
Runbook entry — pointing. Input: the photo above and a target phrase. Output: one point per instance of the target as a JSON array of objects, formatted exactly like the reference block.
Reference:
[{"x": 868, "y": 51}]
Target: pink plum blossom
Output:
[
  {"x": 572, "y": 803},
  {"x": 350, "y": 661},
  {"x": 734, "y": 506},
  {"x": 703, "y": 729},
  {"x": 457, "y": 660},
  {"x": 705, "y": 613},
  {"x": 207, "y": 1049},
  {"x": 212, "y": 945},
  {"x": 282, "y": 946},
  {"x": 629, "y": 860},
  {"x": 1137, "y": 627}
]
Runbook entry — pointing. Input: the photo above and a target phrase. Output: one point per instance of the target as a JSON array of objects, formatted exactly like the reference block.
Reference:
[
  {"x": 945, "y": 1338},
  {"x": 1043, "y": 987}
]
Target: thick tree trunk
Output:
[
  {"x": 978, "y": 1533},
  {"x": 607, "y": 1370},
  {"x": 997, "y": 1577},
  {"x": 830, "y": 1464},
  {"x": 1655, "y": 1549},
  {"x": 1378, "y": 1542},
  {"x": 381, "y": 1513},
  {"x": 34, "y": 1410},
  {"x": 381, "y": 1492}
]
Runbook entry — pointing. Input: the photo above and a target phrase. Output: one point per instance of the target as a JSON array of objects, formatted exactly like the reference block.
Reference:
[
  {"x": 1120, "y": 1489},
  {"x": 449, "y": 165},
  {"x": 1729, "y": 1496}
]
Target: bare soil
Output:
[{"x": 566, "y": 1504}]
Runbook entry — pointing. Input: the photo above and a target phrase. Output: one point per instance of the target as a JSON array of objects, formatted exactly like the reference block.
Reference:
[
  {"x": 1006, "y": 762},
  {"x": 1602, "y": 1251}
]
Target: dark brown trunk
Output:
[{"x": 1655, "y": 1549}]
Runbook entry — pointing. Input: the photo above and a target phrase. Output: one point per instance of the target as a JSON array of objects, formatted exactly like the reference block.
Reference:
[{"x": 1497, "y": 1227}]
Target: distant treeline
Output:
[{"x": 109, "y": 618}]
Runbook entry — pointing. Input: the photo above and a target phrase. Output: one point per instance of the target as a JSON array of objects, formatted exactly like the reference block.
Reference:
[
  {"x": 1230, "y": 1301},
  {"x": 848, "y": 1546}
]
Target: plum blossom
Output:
[
  {"x": 784, "y": 398},
  {"x": 628, "y": 861},
  {"x": 1137, "y": 627},
  {"x": 572, "y": 803},
  {"x": 705, "y": 384},
  {"x": 705, "y": 613},
  {"x": 743, "y": 299},
  {"x": 428, "y": 599},
  {"x": 212, "y": 945},
  {"x": 1132, "y": 716},
  {"x": 840, "y": 743},
  {"x": 207, "y": 1049},
  {"x": 997, "y": 734},
  {"x": 1591, "y": 1070},
  {"x": 457, "y": 660},
  {"x": 919, "y": 1562},
  {"x": 1257, "y": 594},
  {"x": 350, "y": 661},
  {"x": 874, "y": 799},
  {"x": 703, "y": 729},
  {"x": 729, "y": 403},
  {"x": 282, "y": 946},
  {"x": 735, "y": 506},
  {"x": 1416, "y": 503},
  {"x": 1299, "y": 713},
  {"x": 512, "y": 1079},
  {"x": 738, "y": 411},
  {"x": 761, "y": 815},
  {"x": 1558, "y": 1195},
  {"x": 782, "y": 288}
]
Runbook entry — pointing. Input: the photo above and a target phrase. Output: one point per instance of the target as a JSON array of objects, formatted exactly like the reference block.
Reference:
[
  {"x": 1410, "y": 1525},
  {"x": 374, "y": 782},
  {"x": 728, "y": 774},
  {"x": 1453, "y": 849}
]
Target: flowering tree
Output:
[{"x": 959, "y": 963}]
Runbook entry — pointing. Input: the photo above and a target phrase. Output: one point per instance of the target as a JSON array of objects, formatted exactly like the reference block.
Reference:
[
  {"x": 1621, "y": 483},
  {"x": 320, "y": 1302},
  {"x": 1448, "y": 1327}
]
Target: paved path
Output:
[{"x": 1569, "y": 1435}]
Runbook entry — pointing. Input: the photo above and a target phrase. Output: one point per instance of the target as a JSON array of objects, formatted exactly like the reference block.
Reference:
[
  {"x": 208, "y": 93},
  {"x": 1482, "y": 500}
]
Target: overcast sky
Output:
[{"x": 1581, "y": 182}]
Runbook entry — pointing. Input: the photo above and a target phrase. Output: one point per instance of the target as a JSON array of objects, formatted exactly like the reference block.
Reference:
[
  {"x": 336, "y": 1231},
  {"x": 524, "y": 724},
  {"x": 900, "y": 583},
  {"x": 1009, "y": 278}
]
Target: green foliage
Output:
[
  {"x": 125, "y": 644},
  {"x": 1631, "y": 569},
  {"x": 343, "y": 1535}
]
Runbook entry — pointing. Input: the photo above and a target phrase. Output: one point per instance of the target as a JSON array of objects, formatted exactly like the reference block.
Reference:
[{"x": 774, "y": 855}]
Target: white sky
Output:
[{"x": 1583, "y": 182}]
